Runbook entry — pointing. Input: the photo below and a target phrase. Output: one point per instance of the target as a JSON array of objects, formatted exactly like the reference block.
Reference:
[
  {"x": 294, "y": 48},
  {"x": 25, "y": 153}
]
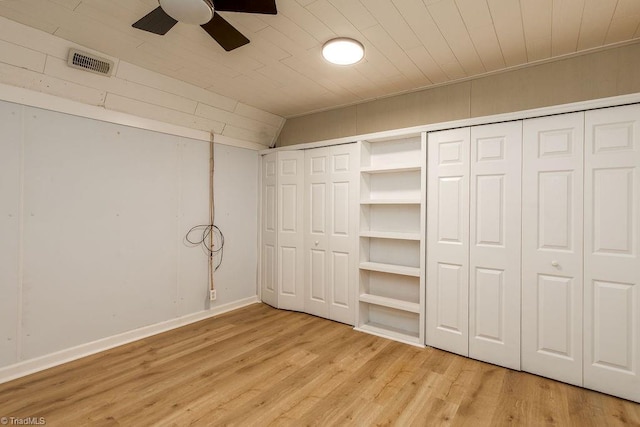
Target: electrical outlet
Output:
[{"x": 212, "y": 295}]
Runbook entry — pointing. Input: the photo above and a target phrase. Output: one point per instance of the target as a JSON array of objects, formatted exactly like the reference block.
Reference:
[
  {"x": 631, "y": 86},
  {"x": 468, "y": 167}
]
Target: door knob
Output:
[
  {"x": 555, "y": 263},
  {"x": 316, "y": 243}
]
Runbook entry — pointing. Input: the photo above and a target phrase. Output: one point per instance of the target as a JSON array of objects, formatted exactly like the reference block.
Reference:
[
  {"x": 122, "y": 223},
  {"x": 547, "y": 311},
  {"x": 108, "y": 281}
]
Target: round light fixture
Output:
[
  {"x": 196, "y": 12},
  {"x": 343, "y": 51}
]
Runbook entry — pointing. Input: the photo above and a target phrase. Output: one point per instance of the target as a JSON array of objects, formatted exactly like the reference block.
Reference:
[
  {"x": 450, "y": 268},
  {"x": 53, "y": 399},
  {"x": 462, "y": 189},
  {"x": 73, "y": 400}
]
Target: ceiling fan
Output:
[{"x": 204, "y": 13}]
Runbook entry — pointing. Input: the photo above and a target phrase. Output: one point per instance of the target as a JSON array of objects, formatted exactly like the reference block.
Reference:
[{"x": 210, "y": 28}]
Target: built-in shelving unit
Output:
[{"x": 392, "y": 244}]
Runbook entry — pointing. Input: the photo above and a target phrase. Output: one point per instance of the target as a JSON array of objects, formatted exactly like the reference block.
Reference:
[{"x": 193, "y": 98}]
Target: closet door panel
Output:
[
  {"x": 554, "y": 315},
  {"x": 317, "y": 226},
  {"x": 448, "y": 241},
  {"x": 451, "y": 207},
  {"x": 612, "y": 264},
  {"x": 495, "y": 244},
  {"x": 331, "y": 231},
  {"x": 343, "y": 209},
  {"x": 269, "y": 231},
  {"x": 289, "y": 228},
  {"x": 317, "y": 268},
  {"x": 341, "y": 297},
  {"x": 450, "y": 292},
  {"x": 316, "y": 250},
  {"x": 552, "y": 229}
]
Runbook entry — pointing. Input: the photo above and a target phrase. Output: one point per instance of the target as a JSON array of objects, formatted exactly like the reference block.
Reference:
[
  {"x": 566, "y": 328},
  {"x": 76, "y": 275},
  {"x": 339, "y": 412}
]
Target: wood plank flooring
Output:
[{"x": 258, "y": 366}]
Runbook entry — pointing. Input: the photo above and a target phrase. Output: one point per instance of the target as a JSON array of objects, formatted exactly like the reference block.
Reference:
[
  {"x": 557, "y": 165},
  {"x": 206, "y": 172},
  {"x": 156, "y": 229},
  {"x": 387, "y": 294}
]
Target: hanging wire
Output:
[{"x": 199, "y": 235}]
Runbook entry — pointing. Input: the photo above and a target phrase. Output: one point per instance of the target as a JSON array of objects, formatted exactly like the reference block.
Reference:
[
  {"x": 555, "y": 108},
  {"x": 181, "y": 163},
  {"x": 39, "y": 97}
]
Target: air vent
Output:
[{"x": 89, "y": 62}]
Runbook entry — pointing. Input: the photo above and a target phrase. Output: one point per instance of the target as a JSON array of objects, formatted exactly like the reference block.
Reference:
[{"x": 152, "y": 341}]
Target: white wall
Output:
[
  {"x": 236, "y": 200},
  {"x": 10, "y": 222},
  {"x": 92, "y": 222},
  {"x": 36, "y": 60}
]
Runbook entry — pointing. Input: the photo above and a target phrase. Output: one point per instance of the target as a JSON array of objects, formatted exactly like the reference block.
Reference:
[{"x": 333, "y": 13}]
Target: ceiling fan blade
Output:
[
  {"x": 224, "y": 33},
  {"x": 157, "y": 22},
  {"x": 246, "y": 6}
]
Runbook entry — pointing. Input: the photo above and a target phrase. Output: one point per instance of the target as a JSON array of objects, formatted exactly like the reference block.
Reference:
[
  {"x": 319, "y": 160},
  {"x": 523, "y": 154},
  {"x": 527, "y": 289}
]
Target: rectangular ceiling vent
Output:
[{"x": 89, "y": 62}]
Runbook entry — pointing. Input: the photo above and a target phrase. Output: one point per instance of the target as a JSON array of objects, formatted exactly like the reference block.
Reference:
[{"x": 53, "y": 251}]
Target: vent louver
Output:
[{"x": 88, "y": 62}]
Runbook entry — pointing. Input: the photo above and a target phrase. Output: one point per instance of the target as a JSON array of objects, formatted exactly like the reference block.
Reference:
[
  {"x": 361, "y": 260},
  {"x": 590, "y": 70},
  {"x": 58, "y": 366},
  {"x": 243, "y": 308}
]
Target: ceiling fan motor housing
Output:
[
  {"x": 201, "y": 12},
  {"x": 196, "y": 12}
]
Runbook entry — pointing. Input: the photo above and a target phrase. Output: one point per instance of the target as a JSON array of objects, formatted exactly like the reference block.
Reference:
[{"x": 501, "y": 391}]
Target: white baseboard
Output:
[{"x": 41, "y": 363}]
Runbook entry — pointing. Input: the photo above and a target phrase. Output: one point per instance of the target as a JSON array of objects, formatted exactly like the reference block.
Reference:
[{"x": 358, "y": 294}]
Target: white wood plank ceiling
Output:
[{"x": 410, "y": 44}]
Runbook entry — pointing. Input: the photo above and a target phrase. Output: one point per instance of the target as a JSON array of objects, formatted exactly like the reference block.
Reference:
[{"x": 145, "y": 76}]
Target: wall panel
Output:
[
  {"x": 236, "y": 208},
  {"x": 10, "y": 223},
  {"x": 593, "y": 75},
  {"x": 99, "y": 249},
  {"x": 100, "y": 216}
]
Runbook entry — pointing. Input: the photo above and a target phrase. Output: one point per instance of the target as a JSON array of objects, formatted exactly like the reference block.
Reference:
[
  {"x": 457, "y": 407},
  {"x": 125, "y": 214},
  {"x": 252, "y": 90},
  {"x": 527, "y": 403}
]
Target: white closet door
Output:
[
  {"x": 269, "y": 227},
  {"x": 448, "y": 241},
  {"x": 552, "y": 192},
  {"x": 316, "y": 235},
  {"x": 612, "y": 263},
  {"x": 343, "y": 205},
  {"x": 495, "y": 244},
  {"x": 331, "y": 207},
  {"x": 290, "y": 225}
]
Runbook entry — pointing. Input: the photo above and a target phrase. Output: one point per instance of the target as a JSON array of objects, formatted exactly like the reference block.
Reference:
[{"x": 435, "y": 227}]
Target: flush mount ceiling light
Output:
[
  {"x": 196, "y": 12},
  {"x": 343, "y": 51}
]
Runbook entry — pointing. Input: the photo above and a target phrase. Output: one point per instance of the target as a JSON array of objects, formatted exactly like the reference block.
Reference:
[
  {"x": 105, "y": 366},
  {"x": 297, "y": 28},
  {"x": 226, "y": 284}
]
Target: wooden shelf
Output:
[
  {"x": 389, "y": 332},
  {"x": 390, "y": 268},
  {"x": 389, "y": 168},
  {"x": 390, "y": 235},
  {"x": 391, "y": 303},
  {"x": 390, "y": 202}
]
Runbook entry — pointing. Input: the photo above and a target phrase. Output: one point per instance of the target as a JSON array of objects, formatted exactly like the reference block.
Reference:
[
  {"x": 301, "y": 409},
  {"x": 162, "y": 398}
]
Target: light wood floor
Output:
[{"x": 261, "y": 366}]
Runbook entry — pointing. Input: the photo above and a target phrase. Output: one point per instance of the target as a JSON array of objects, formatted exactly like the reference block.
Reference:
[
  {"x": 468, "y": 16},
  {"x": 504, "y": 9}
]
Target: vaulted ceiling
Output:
[{"x": 410, "y": 44}]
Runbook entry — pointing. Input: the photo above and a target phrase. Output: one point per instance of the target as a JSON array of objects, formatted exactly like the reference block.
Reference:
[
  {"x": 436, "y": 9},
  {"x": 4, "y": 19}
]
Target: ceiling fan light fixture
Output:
[
  {"x": 343, "y": 51},
  {"x": 196, "y": 12}
]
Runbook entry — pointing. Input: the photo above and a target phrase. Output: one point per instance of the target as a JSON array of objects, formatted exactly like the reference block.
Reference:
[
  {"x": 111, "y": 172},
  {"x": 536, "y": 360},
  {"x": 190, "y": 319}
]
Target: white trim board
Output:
[
  {"x": 46, "y": 101},
  {"x": 31, "y": 366},
  {"x": 474, "y": 121}
]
